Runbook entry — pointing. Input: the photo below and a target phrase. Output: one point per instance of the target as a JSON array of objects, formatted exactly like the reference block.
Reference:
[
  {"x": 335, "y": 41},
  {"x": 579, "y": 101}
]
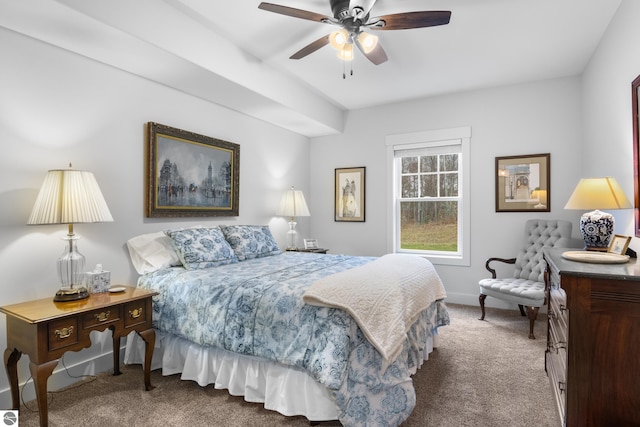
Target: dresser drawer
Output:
[
  {"x": 136, "y": 313},
  {"x": 98, "y": 318},
  {"x": 558, "y": 315},
  {"x": 63, "y": 333},
  {"x": 557, "y": 372}
]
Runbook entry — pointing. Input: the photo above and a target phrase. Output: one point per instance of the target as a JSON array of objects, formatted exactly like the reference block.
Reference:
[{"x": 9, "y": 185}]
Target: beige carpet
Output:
[{"x": 484, "y": 373}]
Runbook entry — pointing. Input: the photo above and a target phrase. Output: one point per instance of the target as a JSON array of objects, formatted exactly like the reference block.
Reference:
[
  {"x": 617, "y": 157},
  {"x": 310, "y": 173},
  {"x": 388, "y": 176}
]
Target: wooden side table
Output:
[
  {"x": 45, "y": 330},
  {"x": 315, "y": 251}
]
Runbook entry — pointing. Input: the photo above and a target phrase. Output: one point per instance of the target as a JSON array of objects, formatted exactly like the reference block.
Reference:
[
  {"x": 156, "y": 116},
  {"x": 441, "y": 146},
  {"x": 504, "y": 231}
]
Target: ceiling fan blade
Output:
[
  {"x": 377, "y": 56},
  {"x": 311, "y": 47},
  {"x": 296, "y": 13},
  {"x": 408, "y": 20}
]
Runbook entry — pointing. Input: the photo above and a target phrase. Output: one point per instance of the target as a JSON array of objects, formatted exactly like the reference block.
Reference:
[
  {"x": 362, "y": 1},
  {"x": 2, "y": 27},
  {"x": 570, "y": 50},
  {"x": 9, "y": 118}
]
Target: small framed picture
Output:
[
  {"x": 619, "y": 244},
  {"x": 310, "y": 244}
]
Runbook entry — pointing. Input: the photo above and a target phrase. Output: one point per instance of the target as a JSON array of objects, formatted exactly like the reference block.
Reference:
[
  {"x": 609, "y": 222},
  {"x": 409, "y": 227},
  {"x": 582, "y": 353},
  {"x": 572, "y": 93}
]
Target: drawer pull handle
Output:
[
  {"x": 135, "y": 313},
  {"x": 103, "y": 316},
  {"x": 561, "y": 386},
  {"x": 64, "y": 332},
  {"x": 563, "y": 307},
  {"x": 557, "y": 346}
]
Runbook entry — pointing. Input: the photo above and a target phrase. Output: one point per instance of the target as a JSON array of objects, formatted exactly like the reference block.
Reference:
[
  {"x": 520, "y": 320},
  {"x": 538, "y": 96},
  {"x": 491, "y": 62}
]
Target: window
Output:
[{"x": 429, "y": 194}]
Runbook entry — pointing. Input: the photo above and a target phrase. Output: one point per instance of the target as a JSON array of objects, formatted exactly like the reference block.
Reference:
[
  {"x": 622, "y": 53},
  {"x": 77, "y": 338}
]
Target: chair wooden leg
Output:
[
  {"x": 522, "y": 310},
  {"x": 532, "y": 313},
  {"x": 481, "y": 298}
]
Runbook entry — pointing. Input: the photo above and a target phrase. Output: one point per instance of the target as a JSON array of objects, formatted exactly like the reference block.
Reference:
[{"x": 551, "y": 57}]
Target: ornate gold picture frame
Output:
[{"x": 190, "y": 175}]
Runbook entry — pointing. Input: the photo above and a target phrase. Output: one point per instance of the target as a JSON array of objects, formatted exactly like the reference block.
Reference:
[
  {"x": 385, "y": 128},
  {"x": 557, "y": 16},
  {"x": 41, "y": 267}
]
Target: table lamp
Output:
[
  {"x": 292, "y": 204},
  {"x": 597, "y": 193},
  {"x": 66, "y": 197}
]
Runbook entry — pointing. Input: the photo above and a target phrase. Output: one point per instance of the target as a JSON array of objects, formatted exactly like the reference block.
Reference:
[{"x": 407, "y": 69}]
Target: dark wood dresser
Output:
[{"x": 593, "y": 341}]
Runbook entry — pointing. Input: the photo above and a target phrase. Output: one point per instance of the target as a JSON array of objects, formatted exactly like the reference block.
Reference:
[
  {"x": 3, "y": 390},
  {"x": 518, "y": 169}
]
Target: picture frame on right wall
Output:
[
  {"x": 635, "y": 99},
  {"x": 523, "y": 183}
]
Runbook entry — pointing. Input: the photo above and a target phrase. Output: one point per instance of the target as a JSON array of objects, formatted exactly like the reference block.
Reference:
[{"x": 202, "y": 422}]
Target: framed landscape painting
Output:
[
  {"x": 349, "y": 194},
  {"x": 189, "y": 174}
]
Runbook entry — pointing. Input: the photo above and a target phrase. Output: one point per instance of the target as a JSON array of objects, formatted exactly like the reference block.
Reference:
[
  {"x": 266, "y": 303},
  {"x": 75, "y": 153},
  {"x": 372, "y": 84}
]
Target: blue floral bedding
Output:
[{"x": 255, "y": 308}]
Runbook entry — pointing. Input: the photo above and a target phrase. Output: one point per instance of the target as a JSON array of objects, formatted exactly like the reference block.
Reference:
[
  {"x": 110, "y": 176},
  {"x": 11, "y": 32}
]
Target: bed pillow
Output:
[
  {"x": 202, "y": 247},
  {"x": 250, "y": 241},
  {"x": 151, "y": 252}
]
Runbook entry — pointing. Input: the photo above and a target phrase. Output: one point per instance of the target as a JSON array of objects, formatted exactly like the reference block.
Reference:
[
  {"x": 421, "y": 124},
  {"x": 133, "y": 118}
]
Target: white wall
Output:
[
  {"x": 606, "y": 91},
  {"x": 57, "y": 107},
  {"x": 539, "y": 117}
]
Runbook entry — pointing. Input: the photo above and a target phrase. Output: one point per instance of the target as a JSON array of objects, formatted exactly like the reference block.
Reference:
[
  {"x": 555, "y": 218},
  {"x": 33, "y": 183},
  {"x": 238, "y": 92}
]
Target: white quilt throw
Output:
[{"x": 384, "y": 297}]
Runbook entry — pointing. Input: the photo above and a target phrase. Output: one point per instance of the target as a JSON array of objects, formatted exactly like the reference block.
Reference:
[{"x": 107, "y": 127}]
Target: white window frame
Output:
[{"x": 423, "y": 139}]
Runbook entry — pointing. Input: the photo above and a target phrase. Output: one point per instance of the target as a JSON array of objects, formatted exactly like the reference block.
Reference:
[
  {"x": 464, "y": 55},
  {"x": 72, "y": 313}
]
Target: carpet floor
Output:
[{"x": 483, "y": 373}]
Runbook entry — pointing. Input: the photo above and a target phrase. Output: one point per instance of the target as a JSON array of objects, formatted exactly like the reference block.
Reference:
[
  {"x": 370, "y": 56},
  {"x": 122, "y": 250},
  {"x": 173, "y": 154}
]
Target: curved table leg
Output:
[
  {"x": 149, "y": 337},
  {"x": 116, "y": 352},
  {"x": 11, "y": 358},
  {"x": 41, "y": 374}
]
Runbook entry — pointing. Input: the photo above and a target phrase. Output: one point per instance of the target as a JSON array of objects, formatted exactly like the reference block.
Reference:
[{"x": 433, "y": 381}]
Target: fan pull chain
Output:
[{"x": 344, "y": 71}]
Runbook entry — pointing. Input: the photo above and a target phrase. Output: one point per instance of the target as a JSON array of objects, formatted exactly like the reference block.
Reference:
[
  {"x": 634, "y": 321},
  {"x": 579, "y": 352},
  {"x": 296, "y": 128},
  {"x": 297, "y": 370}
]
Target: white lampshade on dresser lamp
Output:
[
  {"x": 70, "y": 197},
  {"x": 597, "y": 193},
  {"x": 292, "y": 204}
]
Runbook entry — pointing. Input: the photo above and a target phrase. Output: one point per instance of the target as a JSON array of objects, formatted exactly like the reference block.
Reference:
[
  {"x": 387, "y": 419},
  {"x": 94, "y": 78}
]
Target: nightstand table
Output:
[
  {"x": 45, "y": 330},
  {"x": 315, "y": 251}
]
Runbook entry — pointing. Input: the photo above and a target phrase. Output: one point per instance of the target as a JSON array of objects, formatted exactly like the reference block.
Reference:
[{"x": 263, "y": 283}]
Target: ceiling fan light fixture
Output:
[
  {"x": 367, "y": 41},
  {"x": 338, "y": 39},
  {"x": 346, "y": 53}
]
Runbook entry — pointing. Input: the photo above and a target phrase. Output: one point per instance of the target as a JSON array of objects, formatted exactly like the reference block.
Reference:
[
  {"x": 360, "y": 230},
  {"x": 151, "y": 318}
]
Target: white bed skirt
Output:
[{"x": 277, "y": 386}]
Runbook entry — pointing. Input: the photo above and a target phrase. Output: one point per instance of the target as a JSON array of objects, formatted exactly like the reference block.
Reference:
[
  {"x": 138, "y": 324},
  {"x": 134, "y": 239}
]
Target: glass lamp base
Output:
[
  {"x": 292, "y": 237},
  {"x": 72, "y": 294}
]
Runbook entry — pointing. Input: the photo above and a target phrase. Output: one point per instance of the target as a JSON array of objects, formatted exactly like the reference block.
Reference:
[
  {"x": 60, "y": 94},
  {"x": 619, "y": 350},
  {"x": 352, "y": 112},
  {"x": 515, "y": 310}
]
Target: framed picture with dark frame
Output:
[
  {"x": 523, "y": 183},
  {"x": 635, "y": 100},
  {"x": 189, "y": 175},
  {"x": 349, "y": 194}
]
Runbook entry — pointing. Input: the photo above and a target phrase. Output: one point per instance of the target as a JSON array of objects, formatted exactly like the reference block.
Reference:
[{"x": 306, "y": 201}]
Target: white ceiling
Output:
[{"x": 234, "y": 54}]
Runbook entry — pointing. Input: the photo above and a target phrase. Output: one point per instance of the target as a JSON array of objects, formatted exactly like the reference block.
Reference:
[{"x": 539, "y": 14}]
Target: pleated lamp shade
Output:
[
  {"x": 69, "y": 197},
  {"x": 293, "y": 204}
]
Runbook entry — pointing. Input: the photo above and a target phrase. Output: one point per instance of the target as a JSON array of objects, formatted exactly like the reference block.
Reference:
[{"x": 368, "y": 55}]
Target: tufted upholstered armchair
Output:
[{"x": 526, "y": 288}]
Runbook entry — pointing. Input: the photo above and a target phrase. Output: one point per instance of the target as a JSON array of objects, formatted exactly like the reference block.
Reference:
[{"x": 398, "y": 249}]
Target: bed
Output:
[{"x": 323, "y": 336}]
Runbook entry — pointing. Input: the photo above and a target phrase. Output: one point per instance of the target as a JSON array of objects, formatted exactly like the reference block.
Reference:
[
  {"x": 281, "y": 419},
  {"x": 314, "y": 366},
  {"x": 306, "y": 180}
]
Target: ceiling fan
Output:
[{"x": 353, "y": 16}]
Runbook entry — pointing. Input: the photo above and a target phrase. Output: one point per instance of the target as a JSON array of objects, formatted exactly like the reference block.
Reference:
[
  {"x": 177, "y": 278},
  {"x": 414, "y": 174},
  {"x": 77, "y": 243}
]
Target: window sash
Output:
[{"x": 431, "y": 142}]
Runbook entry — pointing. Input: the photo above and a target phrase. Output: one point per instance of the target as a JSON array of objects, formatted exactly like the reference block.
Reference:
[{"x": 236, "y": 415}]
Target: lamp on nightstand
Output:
[
  {"x": 66, "y": 197},
  {"x": 292, "y": 204},
  {"x": 597, "y": 193}
]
